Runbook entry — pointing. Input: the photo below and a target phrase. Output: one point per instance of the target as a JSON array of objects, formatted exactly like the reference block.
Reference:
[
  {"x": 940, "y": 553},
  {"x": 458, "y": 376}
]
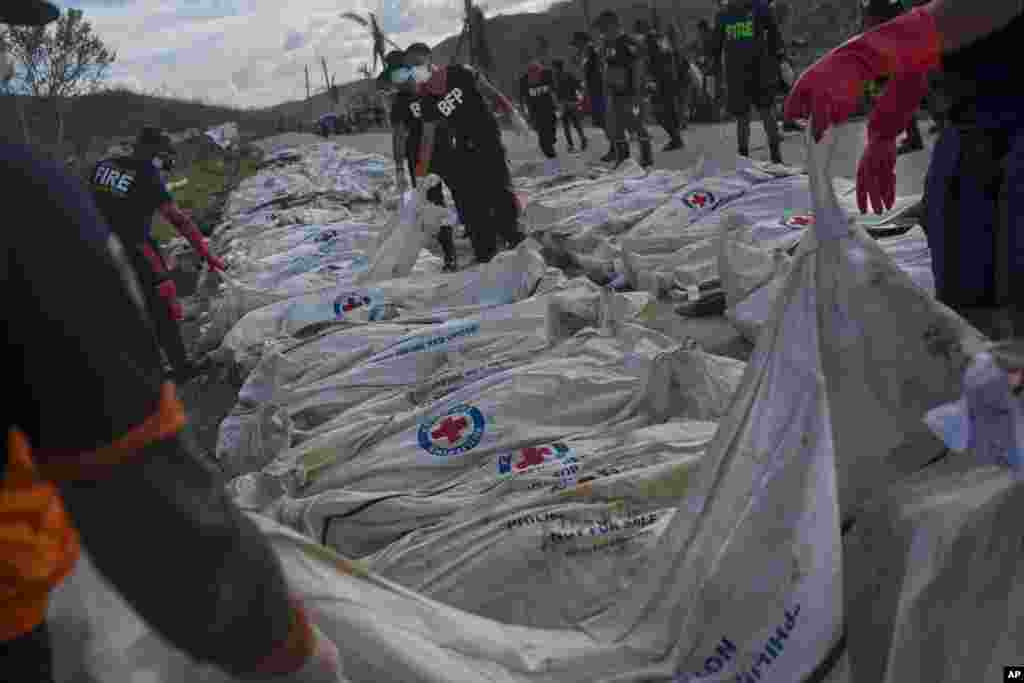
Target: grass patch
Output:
[{"x": 205, "y": 179}]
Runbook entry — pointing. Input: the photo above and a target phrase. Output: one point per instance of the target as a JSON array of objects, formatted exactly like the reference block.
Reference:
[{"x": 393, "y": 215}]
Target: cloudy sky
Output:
[{"x": 253, "y": 52}]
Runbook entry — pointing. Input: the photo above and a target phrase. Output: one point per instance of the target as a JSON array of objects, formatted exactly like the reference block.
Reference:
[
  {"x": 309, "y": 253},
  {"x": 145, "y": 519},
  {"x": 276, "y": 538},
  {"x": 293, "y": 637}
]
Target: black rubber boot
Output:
[
  {"x": 610, "y": 156},
  {"x": 583, "y": 143},
  {"x": 646, "y": 153},
  {"x": 776, "y": 153},
  {"x": 743, "y": 137},
  {"x": 447, "y": 241},
  {"x": 673, "y": 145}
]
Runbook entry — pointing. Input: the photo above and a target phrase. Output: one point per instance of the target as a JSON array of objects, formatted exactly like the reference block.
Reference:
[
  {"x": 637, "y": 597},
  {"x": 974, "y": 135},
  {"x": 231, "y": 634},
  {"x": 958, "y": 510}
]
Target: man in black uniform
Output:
[
  {"x": 747, "y": 32},
  {"x": 593, "y": 77},
  {"x": 624, "y": 75},
  {"x": 662, "y": 82},
  {"x": 407, "y": 136},
  {"x": 537, "y": 90},
  {"x": 128, "y": 190},
  {"x": 567, "y": 88},
  {"x": 461, "y": 98}
]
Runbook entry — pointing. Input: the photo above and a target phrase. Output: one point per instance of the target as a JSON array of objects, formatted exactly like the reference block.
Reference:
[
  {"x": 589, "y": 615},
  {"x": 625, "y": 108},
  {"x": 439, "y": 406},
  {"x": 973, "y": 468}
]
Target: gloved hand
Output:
[
  {"x": 168, "y": 291},
  {"x": 876, "y": 173},
  {"x": 829, "y": 91},
  {"x": 324, "y": 666},
  {"x": 214, "y": 262}
]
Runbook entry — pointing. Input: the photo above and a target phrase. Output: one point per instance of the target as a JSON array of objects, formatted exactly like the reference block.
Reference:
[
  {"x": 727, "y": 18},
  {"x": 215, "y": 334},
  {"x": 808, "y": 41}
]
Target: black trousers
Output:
[
  {"x": 27, "y": 658},
  {"x": 168, "y": 333},
  {"x": 570, "y": 117},
  {"x": 547, "y": 132},
  {"x": 667, "y": 108},
  {"x": 489, "y": 206}
]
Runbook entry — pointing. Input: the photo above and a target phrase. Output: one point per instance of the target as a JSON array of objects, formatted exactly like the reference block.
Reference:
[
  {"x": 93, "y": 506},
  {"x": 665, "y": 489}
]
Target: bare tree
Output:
[{"x": 57, "y": 64}]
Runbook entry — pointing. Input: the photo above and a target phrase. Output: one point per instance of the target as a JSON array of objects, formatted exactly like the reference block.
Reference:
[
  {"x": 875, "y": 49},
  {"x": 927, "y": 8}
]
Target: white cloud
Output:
[{"x": 253, "y": 52}]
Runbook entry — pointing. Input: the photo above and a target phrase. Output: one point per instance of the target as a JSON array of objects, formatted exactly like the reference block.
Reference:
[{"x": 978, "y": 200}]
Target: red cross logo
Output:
[
  {"x": 532, "y": 456},
  {"x": 698, "y": 200},
  {"x": 451, "y": 428}
]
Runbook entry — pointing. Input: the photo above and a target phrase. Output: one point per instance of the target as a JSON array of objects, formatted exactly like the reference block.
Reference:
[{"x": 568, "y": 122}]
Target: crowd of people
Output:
[{"x": 628, "y": 78}]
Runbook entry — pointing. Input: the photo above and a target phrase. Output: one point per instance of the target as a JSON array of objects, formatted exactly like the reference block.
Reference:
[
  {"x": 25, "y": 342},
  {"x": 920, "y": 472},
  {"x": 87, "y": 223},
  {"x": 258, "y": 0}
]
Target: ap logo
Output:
[{"x": 1013, "y": 673}]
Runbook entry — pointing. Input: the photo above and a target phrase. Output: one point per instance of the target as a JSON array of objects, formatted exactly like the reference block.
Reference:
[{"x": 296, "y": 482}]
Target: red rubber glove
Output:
[
  {"x": 876, "y": 173},
  {"x": 169, "y": 292},
  {"x": 828, "y": 92}
]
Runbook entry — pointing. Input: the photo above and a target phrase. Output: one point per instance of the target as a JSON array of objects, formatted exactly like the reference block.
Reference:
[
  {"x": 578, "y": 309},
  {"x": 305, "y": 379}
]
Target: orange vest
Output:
[{"x": 38, "y": 544}]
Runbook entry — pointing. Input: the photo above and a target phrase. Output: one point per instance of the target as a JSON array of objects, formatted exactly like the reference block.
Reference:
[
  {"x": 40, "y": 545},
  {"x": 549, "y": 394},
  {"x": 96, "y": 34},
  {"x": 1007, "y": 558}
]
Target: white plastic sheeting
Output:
[
  {"x": 935, "y": 580},
  {"x": 424, "y": 291}
]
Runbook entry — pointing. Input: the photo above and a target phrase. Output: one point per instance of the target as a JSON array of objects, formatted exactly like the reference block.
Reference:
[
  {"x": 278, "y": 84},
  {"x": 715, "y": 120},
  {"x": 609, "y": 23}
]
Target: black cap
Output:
[
  {"x": 642, "y": 26},
  {"x": 418, "y": 48},
  {"x": 557, "y": 63},
  {"x": 153, "y": 137},
  {"x": 580, "y": 38},
  {"x": 28, "y": 12}
]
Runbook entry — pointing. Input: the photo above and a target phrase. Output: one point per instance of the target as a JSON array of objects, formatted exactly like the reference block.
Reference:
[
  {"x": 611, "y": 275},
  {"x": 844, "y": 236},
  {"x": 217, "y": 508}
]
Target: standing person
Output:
[
  {"x": 662, "y": 82},
  {"x": 537, "y": 90},
  {"x": 681, "y": 65},
  {"x": 974, "y": 207},
  {"x": 747, "y": 33},
  {"x": 128, "y": 190},
  {"x": 623, "y": 81},
  {"x": 567, "y": 88},
  {"x": 95, "y": 431},
  {"x": 407, "y": 135},
  {"x": 711, "y": 66},
  {"x": 873, "y": 13},
  {"x": 593, "y": 78},
  {"x": 462, "y": 98}
]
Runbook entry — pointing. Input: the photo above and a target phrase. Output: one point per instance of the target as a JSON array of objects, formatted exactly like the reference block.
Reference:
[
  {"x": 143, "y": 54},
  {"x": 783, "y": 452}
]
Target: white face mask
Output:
[
  {"x": 158, "y": 163},
  {"x": 421, "y": 73},
  {"x": 6, "y": 67}
]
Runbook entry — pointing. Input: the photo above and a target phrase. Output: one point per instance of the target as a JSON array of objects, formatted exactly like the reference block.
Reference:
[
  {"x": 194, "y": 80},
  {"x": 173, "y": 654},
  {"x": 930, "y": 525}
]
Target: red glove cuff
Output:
[
  {"x": 893, "y": 110},
  {"x": 910, "y": 43}
]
